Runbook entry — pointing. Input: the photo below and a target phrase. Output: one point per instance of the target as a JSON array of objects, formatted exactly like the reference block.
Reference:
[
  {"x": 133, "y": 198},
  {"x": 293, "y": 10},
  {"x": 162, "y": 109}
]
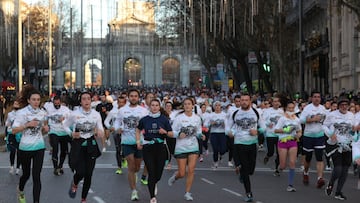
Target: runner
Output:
[
  {"x": 340, "y": 127},
  {"x": 31, "y": 122},
  {"x": 270, "y": 119},
  {"x": 313, "y": 116},
  {"x": 186, "y": 128},
  {"x": 57, "y": 134},
  {"x": 156, "y": 127},
  {"x": 86, "y": 125},
  {"x": 242, "y": 125},
  {"x": 216, "y": 123},
  {"x": 13, "y": 140},
  {"x": 104, "y": 108},
  {"x": 109, "y": 123},
  {"x": 288, "y": 128},
  {"x": 125, "y": 124}
]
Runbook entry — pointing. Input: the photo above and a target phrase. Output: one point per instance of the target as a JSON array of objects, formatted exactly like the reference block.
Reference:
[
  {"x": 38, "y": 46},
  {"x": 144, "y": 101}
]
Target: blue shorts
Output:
[
  {"x": 185, "y": 155},
  {"x": 131, "y": 149},
  {"x": 310, "y": 143}
]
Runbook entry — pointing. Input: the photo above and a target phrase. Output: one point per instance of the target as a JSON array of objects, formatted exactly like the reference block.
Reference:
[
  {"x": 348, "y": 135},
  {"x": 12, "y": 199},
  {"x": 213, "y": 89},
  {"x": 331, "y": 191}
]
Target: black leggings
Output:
[
  {"x": 117, "y": 142},
  {"x": 13, "y": 147},
  {"x": 230, "y": 146},
  {"x": 25, "y": 159},
  {"x": 170, "y": 142},
  {"x": 54, "y": 142},
  {"x": 84, "y": 170},
  {"x": 154, "y": 157},
  {"x": 218, "y": 143},
  {"x": 245, "y": 156},
  {"x": 342, "y": 162},
  {"x": 271, "y": 143}
]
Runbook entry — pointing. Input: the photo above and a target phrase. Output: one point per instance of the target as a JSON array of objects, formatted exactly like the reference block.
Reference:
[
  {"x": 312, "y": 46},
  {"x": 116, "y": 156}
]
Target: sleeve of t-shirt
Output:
[{"x": 167, "y": 125}]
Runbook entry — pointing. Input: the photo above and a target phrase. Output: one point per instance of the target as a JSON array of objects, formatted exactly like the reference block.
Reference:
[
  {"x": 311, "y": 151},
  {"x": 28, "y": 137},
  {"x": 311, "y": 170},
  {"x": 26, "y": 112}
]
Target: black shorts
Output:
[{"x": 310, "y": 144}]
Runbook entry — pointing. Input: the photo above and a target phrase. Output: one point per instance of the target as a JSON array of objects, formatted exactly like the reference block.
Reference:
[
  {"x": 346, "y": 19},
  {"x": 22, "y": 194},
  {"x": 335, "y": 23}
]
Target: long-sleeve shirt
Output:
[
  {"x": 284, "y": 122},
  {"x": 356, "y": 143},
  {"x": 270, "y": 118},
  {"x": 32, "y": 138},
  {"x": 240, "y": 125},
  {"x": 191, "y": 126},
  {"x": 55, "y": 118},
  {"x": 313, "y": 129},
  {"x": 340, "y": 125},
  {"x": 87, "y": 123},
  {"x": 218, "y": 120}
]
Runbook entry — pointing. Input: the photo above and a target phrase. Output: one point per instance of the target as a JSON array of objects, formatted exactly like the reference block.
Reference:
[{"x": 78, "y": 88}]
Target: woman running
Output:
[
  {"x": 216, "y": 123},
  {"x": 170, "y": 141},
  {"x": 13, "y": 140},
  {"x": 186, "y": 128},
  {"x": 288, "y": 128},
  {"x": 30, "y": 122},
  {"x": 156, "y": 128},
  {"x": 86, "y": 124}
]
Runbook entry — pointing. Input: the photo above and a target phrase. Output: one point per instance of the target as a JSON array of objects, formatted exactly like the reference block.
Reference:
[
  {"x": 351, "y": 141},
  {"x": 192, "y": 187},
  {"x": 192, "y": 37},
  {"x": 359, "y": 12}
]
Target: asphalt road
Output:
[{"x": 221, "y": 185}]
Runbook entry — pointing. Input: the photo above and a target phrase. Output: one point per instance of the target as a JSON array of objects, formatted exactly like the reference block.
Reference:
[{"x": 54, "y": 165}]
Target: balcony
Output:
[{"x": 309, "y": 7}]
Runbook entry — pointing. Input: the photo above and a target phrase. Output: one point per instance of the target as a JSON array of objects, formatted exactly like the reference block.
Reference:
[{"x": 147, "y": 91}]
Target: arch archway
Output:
[
  {"x": 171, "y": 72},
  {"x": 93, "y": 73},
  {"x": 132, "y": 72}
]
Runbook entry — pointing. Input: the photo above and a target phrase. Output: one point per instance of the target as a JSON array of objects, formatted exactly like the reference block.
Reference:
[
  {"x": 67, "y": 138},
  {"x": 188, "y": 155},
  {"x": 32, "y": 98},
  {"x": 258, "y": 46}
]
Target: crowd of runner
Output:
[{"x": 157, "y": 126}]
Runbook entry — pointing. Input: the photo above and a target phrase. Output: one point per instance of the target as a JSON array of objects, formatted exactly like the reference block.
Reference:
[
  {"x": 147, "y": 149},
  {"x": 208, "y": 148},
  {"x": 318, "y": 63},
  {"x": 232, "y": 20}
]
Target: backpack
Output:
[{"x": 256, "y": 112}]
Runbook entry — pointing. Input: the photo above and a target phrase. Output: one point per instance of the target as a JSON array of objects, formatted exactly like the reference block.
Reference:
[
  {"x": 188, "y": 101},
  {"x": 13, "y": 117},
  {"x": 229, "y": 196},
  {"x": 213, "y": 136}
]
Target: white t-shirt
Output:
[
  {"x": 314, "y": 129},
  {"x": 55, "y": 118}
]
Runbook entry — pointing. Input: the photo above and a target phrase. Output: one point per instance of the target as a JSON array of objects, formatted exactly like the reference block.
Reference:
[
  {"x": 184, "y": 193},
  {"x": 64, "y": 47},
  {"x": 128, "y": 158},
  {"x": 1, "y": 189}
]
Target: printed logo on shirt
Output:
[
  {"x": 56, "y": 118},
  {"x": 218, "y": 123},
  {"x": 342, "y": 129},
  {"x": 85, "y": 127},
  {"x": 188, "y": 130},
  {"x": 246, "y": 123},
  {"x": 275, "y": 119},
  {"x": 131, "y": 122}
]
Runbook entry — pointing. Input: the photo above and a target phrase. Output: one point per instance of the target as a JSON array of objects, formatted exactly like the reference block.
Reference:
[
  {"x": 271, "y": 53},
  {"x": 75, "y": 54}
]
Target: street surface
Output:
[{"x": 221, "y": 185}]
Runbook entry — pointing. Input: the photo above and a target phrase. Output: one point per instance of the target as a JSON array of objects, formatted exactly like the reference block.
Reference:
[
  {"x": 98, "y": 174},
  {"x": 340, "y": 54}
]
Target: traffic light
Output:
[{"x": 266, "y": 68}]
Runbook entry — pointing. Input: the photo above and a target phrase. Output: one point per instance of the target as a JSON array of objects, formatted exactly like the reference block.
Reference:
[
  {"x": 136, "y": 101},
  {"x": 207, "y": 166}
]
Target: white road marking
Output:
[
  {"x": 207, "y": 181},
  {"x": 98, "y": 199},
  {"x": 232, "y": 192}
]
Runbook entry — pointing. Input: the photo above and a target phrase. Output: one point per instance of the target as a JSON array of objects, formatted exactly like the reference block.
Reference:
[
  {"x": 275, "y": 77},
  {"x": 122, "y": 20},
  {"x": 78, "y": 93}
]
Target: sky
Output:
[{"x": 103, "y": 12}]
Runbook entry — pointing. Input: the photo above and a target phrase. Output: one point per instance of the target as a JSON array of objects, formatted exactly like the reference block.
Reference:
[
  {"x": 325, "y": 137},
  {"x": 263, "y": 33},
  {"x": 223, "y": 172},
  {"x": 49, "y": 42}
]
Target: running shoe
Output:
[
  {"x": 201, "y": 159},
  {"x": 290, "y": 188},
  {"x": 61, "y": 170},
  {"x": 153, "y": 200},
  {"x": 188, "y": 196},
  {"x": 305, "y": 179},
  {"x": 320, "y": 183},
  {"x": 134, "y": 195},
  {"x": 230, "y": 164},
  {"x": 72, "y": 190},
  {"x": 103, "y": 149},
  {"x": 144, "y": 181},
  {"x": 328, "y": 190},
  {"x": 108, "y": 142},
  {"x": 276, "y": 173},
  {"x": 57, "y": 172},
  {"x": 206, "y": 152},
  {"x": 340, "y": 196},
  {"x": 21, "y": 196},
  {"x": 172, "y": 179},
  {"x": 328, "y": 168},
  {"x": 124, "y": 164},
  {"x": 249, "y": 197},
  {"x": 266, "y": 160},
  {"x": 119, "y": 171},
  {"x": 12, "y": 170},
  {"x": 17, "y": 171},
  {"x": 83, "y": 200},
  {"x": 215, "y": 165}
]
